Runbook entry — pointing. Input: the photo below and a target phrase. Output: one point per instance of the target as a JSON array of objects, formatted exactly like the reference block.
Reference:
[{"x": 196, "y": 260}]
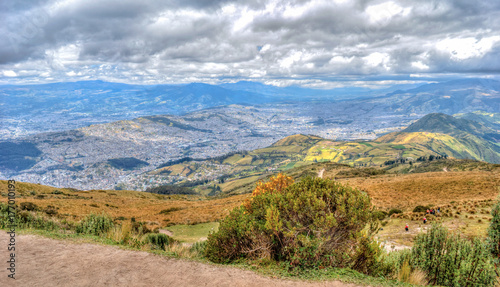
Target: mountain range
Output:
[{"x": 61, "y": 106}]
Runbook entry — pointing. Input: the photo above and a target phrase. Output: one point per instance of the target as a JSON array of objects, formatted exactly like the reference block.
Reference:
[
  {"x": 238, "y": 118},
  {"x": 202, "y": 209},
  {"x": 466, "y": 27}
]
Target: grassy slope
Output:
[{"x": 74, "y": 204}]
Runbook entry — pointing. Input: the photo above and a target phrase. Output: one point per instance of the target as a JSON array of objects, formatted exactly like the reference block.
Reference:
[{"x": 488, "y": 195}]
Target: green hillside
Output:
[
  {"x": 491, "y": 120},
  {"x": 433, "y": 137},
  {"x": 444, "y": 134}
]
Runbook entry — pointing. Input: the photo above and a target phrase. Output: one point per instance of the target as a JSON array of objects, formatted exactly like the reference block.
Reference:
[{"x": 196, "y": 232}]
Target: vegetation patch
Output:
[
  {"x": 171, "y": 209},
  {"x": 170, "y": 189},
  {"x": 192, "y": 233},
  {"x": 95, "y": 224},
  {"x": 127, "y": 163}
]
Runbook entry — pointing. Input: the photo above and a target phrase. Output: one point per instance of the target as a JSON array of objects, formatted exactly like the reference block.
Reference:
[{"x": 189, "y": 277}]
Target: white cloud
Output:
[
  {"x": 9, "y": 73},
  {"x": 291, "y": 59},
  {"x": 377, "y": 59},
  {"x": 419, "y": 65},
  {"x": 383, "y": 12},
  {"x": 465, "y": 48}
]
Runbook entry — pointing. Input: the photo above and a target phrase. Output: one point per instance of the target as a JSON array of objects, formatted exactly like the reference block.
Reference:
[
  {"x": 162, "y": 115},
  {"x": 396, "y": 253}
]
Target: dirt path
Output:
[
  {"x": 166, "y": 232},
  {"x": 47, "y": 262},
  {"x": 320, "y": 173}
]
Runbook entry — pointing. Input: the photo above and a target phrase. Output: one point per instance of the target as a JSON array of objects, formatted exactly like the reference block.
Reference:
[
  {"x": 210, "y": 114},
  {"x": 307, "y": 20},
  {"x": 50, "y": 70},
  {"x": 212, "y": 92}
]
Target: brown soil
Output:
[{"x": 47, "y": 262}]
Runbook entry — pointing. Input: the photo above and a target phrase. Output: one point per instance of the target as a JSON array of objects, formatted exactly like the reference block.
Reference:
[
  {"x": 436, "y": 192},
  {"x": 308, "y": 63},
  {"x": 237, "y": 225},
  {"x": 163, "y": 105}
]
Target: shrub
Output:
[
  {"x": 315, "y": 222},
  {"x": 380, "y": 215},
  {"x": 28, "y": 206},
  {"x": 159, "y": 240},
  {"x": 50, "y": 210},
  {"x": 95, "y": 224},
  {"x": 57, "y": 192},
  {"x": 421, "y": 208},
  {"x": 171, "y": 209},
  {"x": 139, "y": 227},
  {"x": 199, "y": 247},
  {"x": 394, "y": 211},
  {"x": 450, "y": 260},
  {"x": 494, "y": 233}
]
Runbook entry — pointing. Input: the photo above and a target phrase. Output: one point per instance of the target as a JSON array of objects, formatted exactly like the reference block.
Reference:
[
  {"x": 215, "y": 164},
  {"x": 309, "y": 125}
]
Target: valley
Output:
[{"x": 232, "y": 118}]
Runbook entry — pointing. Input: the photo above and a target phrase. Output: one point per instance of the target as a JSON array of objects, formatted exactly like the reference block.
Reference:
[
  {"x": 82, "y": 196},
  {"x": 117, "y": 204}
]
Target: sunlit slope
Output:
[
  {"x": 445, "y": 134},
  {"x": 365, "y": 153},
  {"x": 435, "y": 142}
]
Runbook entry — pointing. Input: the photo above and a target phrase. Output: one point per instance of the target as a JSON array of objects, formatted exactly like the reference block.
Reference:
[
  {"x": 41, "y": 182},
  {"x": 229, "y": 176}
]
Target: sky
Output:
[{"x": 318, "y": 44}]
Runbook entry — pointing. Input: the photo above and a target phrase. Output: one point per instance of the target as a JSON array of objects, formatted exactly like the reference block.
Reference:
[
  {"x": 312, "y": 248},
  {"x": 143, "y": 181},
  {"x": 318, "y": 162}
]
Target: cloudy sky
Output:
[{"x": 311, "y": 43}]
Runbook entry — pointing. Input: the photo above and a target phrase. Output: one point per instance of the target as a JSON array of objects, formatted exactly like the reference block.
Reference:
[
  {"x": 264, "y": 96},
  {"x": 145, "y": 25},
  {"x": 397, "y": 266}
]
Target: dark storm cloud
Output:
[{"x": 175, "y": 41}]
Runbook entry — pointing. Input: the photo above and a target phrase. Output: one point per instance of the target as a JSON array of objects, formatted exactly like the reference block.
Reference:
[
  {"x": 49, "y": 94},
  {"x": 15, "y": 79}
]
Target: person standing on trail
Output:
[
  {"x": 406, "y": 227},
  {"x": 425, "y": 220}
]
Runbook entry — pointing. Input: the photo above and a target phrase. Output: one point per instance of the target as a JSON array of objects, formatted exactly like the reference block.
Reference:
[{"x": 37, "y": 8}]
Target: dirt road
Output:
[{"x": 47, "y": 262}]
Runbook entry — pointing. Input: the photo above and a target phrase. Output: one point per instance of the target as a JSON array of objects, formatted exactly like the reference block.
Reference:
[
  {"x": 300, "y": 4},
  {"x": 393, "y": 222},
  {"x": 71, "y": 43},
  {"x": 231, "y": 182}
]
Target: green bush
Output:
[
  {"x": 421, "y": 208},
  {"x": 199, "y": 247},
  {"x": 451, "y": 260},
  {"x": 394, "y": 210},
  {"x": 139, "y": 227},
  {"x": 159, "y": 240},
  {"x": 95, "y": 224},
  {"x": 379, "y": 214},
  {"x": 494, "y": 234},
  {"x": 315, "y": 222}
]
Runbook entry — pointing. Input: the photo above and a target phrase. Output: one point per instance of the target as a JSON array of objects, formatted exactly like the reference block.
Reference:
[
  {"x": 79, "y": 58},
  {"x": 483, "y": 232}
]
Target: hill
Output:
[
  {"x": 446, "y": 135},
  {"x": 491, "y": 120},
  {"x": 433, "y": 137}
]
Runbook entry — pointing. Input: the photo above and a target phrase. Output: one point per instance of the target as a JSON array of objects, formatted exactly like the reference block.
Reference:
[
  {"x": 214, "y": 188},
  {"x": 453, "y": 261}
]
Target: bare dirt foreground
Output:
[{"x": 47, "y": 262}]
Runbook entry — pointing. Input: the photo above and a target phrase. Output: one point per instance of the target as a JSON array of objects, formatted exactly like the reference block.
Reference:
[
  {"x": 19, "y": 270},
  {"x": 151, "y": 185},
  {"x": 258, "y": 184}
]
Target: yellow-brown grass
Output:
[
  {"x": 74, "y": 205},
  {"x": 431, "y": 188}
]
